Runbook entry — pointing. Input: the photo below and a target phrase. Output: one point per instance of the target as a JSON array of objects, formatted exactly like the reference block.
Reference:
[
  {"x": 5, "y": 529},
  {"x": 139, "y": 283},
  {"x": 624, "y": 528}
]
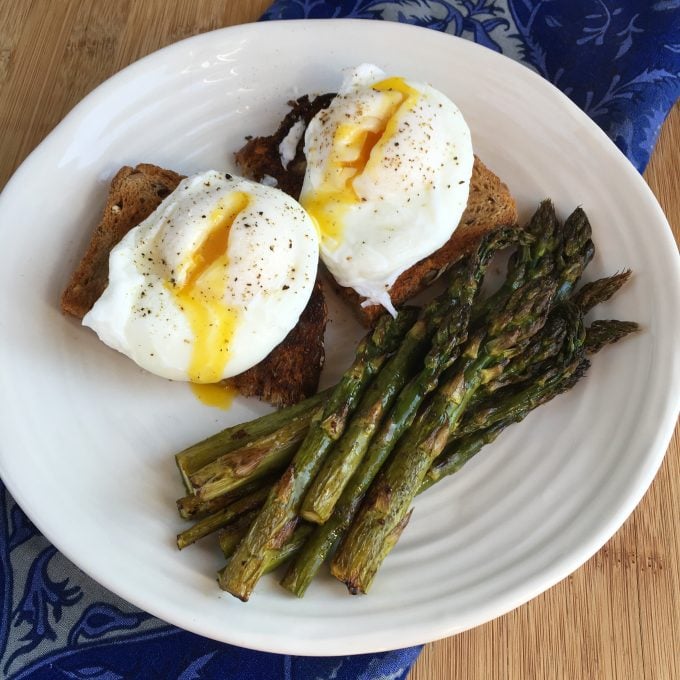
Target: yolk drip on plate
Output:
[
  {"x": 357, "y": 145},
  {"x": 201, "y": 295},
  {"x": 219, "y": 395}
]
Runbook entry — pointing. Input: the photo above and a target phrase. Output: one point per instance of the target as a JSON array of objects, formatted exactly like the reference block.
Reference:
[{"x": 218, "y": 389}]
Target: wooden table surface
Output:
[{"x": 618, "y": 616}]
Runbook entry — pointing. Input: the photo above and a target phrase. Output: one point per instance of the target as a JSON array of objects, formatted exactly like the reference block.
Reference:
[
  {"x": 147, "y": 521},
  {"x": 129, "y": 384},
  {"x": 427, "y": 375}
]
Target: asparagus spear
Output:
[
  {"x": 598, "y": 291},
  {"x": 545, "y": 345},
  {"x": 213, "y": 522},
  {"x": 280, "y": 509},
  {"x": 505, "y": 406},
  {"x": 230, "y": 536},
  {"x": 382, "y": 516},
  {"x": 191, "y": 507},
  {"x": 607, "y": 332},
  {"x": 533, "y": 259},
  {"x": 575, "y": 253},
  {"x": 459, "y": 451},
  {"x": 194, "y": 457},
  {"x": 556, "y": 250},
  {"x": 548, "y": 342},
  {"x": 451, "y": 312},
  {"x": 343, "y": 458},
  {"x": 278, "y": 556},
  {"x": 509, "y": 402},
  {"x": 512, "y": 404},
  {"x": 264, "y": 456},
  {"x": 537, "y": 259},
  {"x": 510, "y": 409}
]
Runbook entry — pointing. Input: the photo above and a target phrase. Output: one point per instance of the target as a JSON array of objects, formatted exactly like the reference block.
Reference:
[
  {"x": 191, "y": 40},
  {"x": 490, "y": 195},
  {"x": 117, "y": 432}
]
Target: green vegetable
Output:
[{"x": 281, "y": 507}]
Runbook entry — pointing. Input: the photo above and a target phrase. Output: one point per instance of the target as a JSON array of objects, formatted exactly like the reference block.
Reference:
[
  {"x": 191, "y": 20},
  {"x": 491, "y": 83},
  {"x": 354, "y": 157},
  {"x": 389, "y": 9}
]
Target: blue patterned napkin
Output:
[{"x": 619, "y": 60}]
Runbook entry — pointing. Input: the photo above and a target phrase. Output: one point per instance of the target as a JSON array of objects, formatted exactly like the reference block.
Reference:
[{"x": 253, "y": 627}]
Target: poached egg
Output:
[
  {"x": 388, "y": 175},
  {"x": 211, "y": 281}
]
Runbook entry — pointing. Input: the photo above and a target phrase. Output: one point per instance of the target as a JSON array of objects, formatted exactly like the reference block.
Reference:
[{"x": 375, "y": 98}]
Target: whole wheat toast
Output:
[
  {"x": 490, "y": 205},
  {"x": 289, "y": 373},
  {"x": 133, "y": 195}
]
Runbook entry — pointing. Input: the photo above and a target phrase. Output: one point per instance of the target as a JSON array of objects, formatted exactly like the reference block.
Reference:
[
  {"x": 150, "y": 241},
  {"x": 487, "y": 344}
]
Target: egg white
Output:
[
  {"x": 387, "y": 180},
  {"x": 187, "y": 301}
]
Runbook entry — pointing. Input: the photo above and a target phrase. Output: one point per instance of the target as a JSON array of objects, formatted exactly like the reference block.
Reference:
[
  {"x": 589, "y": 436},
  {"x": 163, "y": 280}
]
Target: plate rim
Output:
[{"x": 434, "y": 630}]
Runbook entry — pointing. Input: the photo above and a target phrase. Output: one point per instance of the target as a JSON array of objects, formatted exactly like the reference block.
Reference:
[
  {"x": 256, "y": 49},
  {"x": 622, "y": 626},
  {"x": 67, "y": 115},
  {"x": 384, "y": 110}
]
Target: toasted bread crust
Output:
[
  {"x": 490, "y": 205},
  {"x": 134, "y": 194},
  {"x": 289, "y": 373}
]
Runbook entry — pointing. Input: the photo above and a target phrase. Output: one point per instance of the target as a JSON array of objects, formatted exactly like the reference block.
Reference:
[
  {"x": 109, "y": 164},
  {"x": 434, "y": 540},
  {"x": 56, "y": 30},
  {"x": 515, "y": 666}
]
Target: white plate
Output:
[{"x": 87, "y": 438}]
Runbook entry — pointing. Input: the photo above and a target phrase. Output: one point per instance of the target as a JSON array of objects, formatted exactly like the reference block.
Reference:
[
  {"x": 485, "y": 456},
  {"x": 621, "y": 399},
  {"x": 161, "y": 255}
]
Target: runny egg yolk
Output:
[
  {"x": 355, "y": 142},
  {"x": 201, "y": 295}
]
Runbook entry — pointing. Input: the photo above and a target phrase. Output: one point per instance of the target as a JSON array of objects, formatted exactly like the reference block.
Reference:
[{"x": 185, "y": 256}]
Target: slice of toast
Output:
[
  {"x": 289, "y": 373},
  {"x": 133, "y": 195},
  {"x": 490, "y": 205},
  {"x": 260, "y": 156}
]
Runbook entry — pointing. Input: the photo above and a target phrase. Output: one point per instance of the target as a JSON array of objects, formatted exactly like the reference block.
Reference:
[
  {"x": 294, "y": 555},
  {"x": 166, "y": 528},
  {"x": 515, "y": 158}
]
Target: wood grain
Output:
[
  {"x": 53, "y": 52},
  {"x": 615, "y": 618}
]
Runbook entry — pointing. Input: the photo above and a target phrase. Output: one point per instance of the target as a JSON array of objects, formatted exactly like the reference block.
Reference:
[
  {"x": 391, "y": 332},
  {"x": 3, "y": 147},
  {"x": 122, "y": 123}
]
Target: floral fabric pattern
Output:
[{"x": 55, "y": 622}]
